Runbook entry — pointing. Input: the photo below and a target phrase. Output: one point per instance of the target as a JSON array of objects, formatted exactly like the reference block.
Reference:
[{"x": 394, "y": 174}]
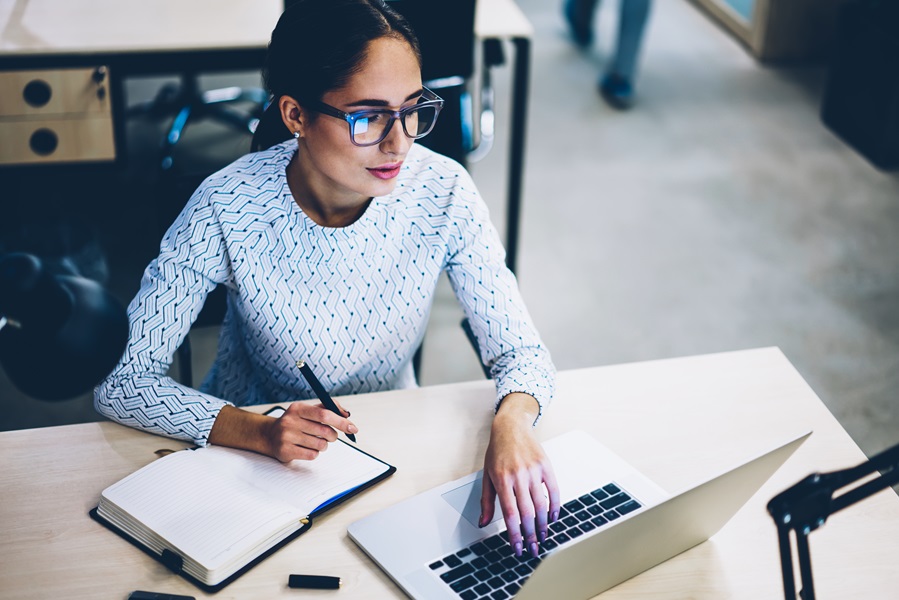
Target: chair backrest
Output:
[{"x": 445, "y": 30}]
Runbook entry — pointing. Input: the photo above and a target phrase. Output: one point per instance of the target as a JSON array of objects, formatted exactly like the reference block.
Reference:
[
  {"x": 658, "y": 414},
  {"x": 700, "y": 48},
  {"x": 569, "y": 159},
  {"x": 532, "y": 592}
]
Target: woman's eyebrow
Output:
[{"x": 373, "y": 102}]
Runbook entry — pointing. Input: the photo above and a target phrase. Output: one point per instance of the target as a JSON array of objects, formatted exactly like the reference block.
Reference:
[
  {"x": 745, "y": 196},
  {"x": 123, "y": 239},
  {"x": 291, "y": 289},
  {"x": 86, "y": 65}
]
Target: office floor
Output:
[{"x": 719, "y": 214}]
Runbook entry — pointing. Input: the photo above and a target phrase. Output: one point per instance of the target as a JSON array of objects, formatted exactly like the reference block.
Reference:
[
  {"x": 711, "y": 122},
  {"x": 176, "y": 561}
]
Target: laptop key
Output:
[
  {"x": 587, "y": 526},
  {"x": 479, "y": 562},
  {"x": 482, "y": 588},
  {"x": 611, "y": 515},
  {"x": 457, "y": 573},
  {"x": 494, "y": 542},
  {"x": 463, "y": 552},
  {"x": 483, "y": 574},
  {"x": 599, "y": 494},
  {"x": 595, "y": 509},
  {"x": 509, "y": 576},
  {"x": 463, "y": 584},
  {"x": 512, "y": 588},
  {"x": 587, "y": 499},
  {"x": 524, "y": 569},
  {"x": 557, "y": 526},
  {"x": 452, "y": 561},
  {"x": 496, "y": 583},
  {"x": 628, "y": 507},
  {"x": 479, "y": 548},
  {"x": 435, "y": 565},
  {"x": 493, "y": 556},
  {"x": 499, "y": 595},
  {"x": 550, "y": 544},
  {"x": 611, "y": 488},
  {"x": 599, "y": 520},
  {"x": 562, "y": 538},
  {"x": 496, "y": 568},
  {"x": 614, "y": 501},
  {"x": 582, "y": 515},
  {"x": 509, "y": 562},
  {"x": 573, "y": 505},
  {"x": 570, "y": 521},
  {"x": 575, "y": 532},
  {"x": 468, "y": 595}
]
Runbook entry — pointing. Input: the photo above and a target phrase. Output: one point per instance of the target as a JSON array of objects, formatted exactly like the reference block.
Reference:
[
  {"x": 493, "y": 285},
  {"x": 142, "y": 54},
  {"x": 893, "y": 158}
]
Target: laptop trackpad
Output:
[{"x": 466, "y": 499}]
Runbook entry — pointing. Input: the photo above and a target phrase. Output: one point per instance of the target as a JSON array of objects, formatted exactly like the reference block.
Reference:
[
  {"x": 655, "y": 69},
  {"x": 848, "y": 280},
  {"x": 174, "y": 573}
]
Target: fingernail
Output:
[
  {"x": 542, "y": 536},
  {"x": 518, "y": 548},
  {"x": 352, "y": 428},
  {"x": 554, "y": 516},
  {"x": 482, "y": 521},
  {"x": 534, "y": 549}
]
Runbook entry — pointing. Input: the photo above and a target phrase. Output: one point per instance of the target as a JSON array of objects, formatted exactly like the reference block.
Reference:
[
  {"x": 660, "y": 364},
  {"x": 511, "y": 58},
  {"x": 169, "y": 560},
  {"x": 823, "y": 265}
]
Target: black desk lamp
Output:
[
  {"x": 805, "y": 506},
  {"x": 60, "y": 334}
]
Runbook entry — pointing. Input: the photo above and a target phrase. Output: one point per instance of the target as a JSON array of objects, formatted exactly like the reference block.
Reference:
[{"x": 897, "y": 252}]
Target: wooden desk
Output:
[{"x": 676, "y": 420}]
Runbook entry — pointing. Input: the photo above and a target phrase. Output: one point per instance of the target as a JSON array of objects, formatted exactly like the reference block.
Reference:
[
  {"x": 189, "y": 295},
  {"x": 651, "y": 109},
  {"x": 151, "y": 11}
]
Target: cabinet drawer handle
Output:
[
  {"x": 37, "y": 93},
  {"x": 44, "y": 142}
]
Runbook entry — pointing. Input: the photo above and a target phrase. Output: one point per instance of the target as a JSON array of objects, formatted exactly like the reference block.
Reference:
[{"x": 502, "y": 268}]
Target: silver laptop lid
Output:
[{"x": 610, "y": 555}]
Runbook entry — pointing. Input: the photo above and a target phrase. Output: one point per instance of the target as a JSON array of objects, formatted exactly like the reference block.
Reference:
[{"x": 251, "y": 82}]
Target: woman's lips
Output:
[{"x": 386, "y": 171}]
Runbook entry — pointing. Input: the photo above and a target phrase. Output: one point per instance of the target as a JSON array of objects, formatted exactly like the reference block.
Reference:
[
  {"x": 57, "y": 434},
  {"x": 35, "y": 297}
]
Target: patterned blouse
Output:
[{"x": 353, "y": 302}]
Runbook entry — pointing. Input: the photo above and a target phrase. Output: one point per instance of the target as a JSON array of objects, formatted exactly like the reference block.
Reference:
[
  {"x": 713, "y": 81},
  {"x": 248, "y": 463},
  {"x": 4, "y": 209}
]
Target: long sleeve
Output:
[
  {"x": 488, "y": 291},
  {"x": 138, "y": 392}
]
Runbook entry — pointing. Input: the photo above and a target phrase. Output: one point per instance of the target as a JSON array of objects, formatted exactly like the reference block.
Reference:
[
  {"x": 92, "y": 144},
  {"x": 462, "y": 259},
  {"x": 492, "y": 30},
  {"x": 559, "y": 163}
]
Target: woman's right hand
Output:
[
  {"x": 301, "y": 433},
  {"x": 305, "y": 430}
]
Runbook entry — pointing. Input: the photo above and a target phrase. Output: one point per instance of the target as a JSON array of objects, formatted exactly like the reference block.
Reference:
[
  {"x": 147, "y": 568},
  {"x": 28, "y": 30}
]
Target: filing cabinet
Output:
[{"x": 56, "y": 116}]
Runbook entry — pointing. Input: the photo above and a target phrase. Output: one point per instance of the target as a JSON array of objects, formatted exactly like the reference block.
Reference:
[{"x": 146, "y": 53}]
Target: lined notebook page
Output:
[
  {"x": 216, "y": 504},
  {"x": 196, "y": 507},
  {"x": 308, "y": 484}
]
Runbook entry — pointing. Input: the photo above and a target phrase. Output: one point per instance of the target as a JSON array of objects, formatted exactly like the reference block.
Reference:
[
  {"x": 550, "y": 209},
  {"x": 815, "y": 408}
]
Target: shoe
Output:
[
  {"x": 617, "y": 91},
  {"x": 579, "y": 15}
]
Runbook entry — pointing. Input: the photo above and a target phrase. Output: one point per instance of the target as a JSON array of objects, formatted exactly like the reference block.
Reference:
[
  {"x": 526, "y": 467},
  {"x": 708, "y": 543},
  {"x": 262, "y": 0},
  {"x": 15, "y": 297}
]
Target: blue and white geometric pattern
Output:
[{"x": 353, "y": 301}]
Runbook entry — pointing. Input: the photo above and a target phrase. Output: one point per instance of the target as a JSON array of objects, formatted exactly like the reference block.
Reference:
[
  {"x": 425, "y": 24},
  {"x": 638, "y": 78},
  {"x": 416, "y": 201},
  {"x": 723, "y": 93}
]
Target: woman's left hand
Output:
[{"x": 518, "y": 471}]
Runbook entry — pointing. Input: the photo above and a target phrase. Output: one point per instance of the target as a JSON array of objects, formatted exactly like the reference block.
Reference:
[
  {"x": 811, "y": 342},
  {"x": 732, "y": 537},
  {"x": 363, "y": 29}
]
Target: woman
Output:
[{"x": 330, "y": 245}]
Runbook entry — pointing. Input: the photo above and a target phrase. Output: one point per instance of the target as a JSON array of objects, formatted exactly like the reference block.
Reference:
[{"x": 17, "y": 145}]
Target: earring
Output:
[{"x": 296, "y": 135}]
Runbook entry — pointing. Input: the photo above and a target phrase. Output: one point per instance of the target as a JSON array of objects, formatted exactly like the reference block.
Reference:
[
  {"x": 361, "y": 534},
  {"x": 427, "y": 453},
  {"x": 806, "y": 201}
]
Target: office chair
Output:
[
  {"x": 447, "y": 38},
  {"x": 186, "y": 103}
]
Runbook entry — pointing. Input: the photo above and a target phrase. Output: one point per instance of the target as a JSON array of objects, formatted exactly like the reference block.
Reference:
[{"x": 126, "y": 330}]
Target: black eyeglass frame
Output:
[{"x": 430, "y": 99}]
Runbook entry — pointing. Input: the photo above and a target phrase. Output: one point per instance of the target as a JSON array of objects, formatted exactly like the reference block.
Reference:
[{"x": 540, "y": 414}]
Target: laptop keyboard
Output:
[{"x": 489, "y": 569}]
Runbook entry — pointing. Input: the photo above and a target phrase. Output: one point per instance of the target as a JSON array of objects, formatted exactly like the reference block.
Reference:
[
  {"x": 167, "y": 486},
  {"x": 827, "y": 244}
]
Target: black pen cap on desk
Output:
[{"x": 314, "y": 582}]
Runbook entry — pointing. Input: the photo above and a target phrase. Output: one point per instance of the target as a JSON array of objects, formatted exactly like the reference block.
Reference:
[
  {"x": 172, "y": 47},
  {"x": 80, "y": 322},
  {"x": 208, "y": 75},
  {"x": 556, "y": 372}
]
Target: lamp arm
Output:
[{"x": 806, "y": 505}]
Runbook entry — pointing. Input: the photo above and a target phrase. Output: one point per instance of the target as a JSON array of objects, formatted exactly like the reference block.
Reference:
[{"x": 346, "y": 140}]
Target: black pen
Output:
[{"x": 320, "y": 392}]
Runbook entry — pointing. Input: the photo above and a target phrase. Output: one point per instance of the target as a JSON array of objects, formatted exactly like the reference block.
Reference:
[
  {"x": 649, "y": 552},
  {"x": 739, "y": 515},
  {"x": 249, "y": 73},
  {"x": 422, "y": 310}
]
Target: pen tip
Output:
[{"x": 300, "y": 364}]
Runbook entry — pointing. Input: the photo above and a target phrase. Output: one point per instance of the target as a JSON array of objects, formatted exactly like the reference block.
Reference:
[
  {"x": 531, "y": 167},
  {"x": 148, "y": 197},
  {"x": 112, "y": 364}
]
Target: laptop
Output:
[{"x": 615, "y": 523}]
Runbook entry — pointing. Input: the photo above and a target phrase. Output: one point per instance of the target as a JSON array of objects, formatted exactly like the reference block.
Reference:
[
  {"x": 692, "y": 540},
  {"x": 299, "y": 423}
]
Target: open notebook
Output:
[{"x": 212, "y": 513}]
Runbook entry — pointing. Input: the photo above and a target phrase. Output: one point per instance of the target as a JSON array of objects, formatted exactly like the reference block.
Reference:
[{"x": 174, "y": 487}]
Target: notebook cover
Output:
[
  {"x": 341, "y": 499},
  {"x": 209, "y": 589},
  {"x": 217, "y": 587}
]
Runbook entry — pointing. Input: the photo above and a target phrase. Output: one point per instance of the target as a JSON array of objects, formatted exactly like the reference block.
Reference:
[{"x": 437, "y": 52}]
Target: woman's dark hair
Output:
[{"x": 316, "y": 47}]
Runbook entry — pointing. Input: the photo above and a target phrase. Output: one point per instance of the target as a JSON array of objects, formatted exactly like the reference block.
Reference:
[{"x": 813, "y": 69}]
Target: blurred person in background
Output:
[{"x": 617, "y": 83}]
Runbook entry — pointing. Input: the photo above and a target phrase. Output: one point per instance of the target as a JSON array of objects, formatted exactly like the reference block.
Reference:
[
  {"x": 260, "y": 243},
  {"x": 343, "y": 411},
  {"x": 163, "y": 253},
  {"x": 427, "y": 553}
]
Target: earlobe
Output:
[{"x": 291, "y": 115}]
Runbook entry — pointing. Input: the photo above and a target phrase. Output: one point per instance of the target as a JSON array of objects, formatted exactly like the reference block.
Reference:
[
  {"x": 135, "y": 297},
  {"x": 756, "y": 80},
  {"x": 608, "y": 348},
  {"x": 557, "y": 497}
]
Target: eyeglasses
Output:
[{"x": 370, "y": 127}]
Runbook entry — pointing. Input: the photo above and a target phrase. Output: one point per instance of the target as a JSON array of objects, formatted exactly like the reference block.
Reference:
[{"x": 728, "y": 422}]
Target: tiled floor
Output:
[{"x": 719, "y": 214}]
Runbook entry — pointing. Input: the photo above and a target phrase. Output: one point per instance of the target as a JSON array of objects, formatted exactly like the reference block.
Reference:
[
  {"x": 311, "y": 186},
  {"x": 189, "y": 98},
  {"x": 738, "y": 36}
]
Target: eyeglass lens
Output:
[{"x": 371, "y": 128}]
